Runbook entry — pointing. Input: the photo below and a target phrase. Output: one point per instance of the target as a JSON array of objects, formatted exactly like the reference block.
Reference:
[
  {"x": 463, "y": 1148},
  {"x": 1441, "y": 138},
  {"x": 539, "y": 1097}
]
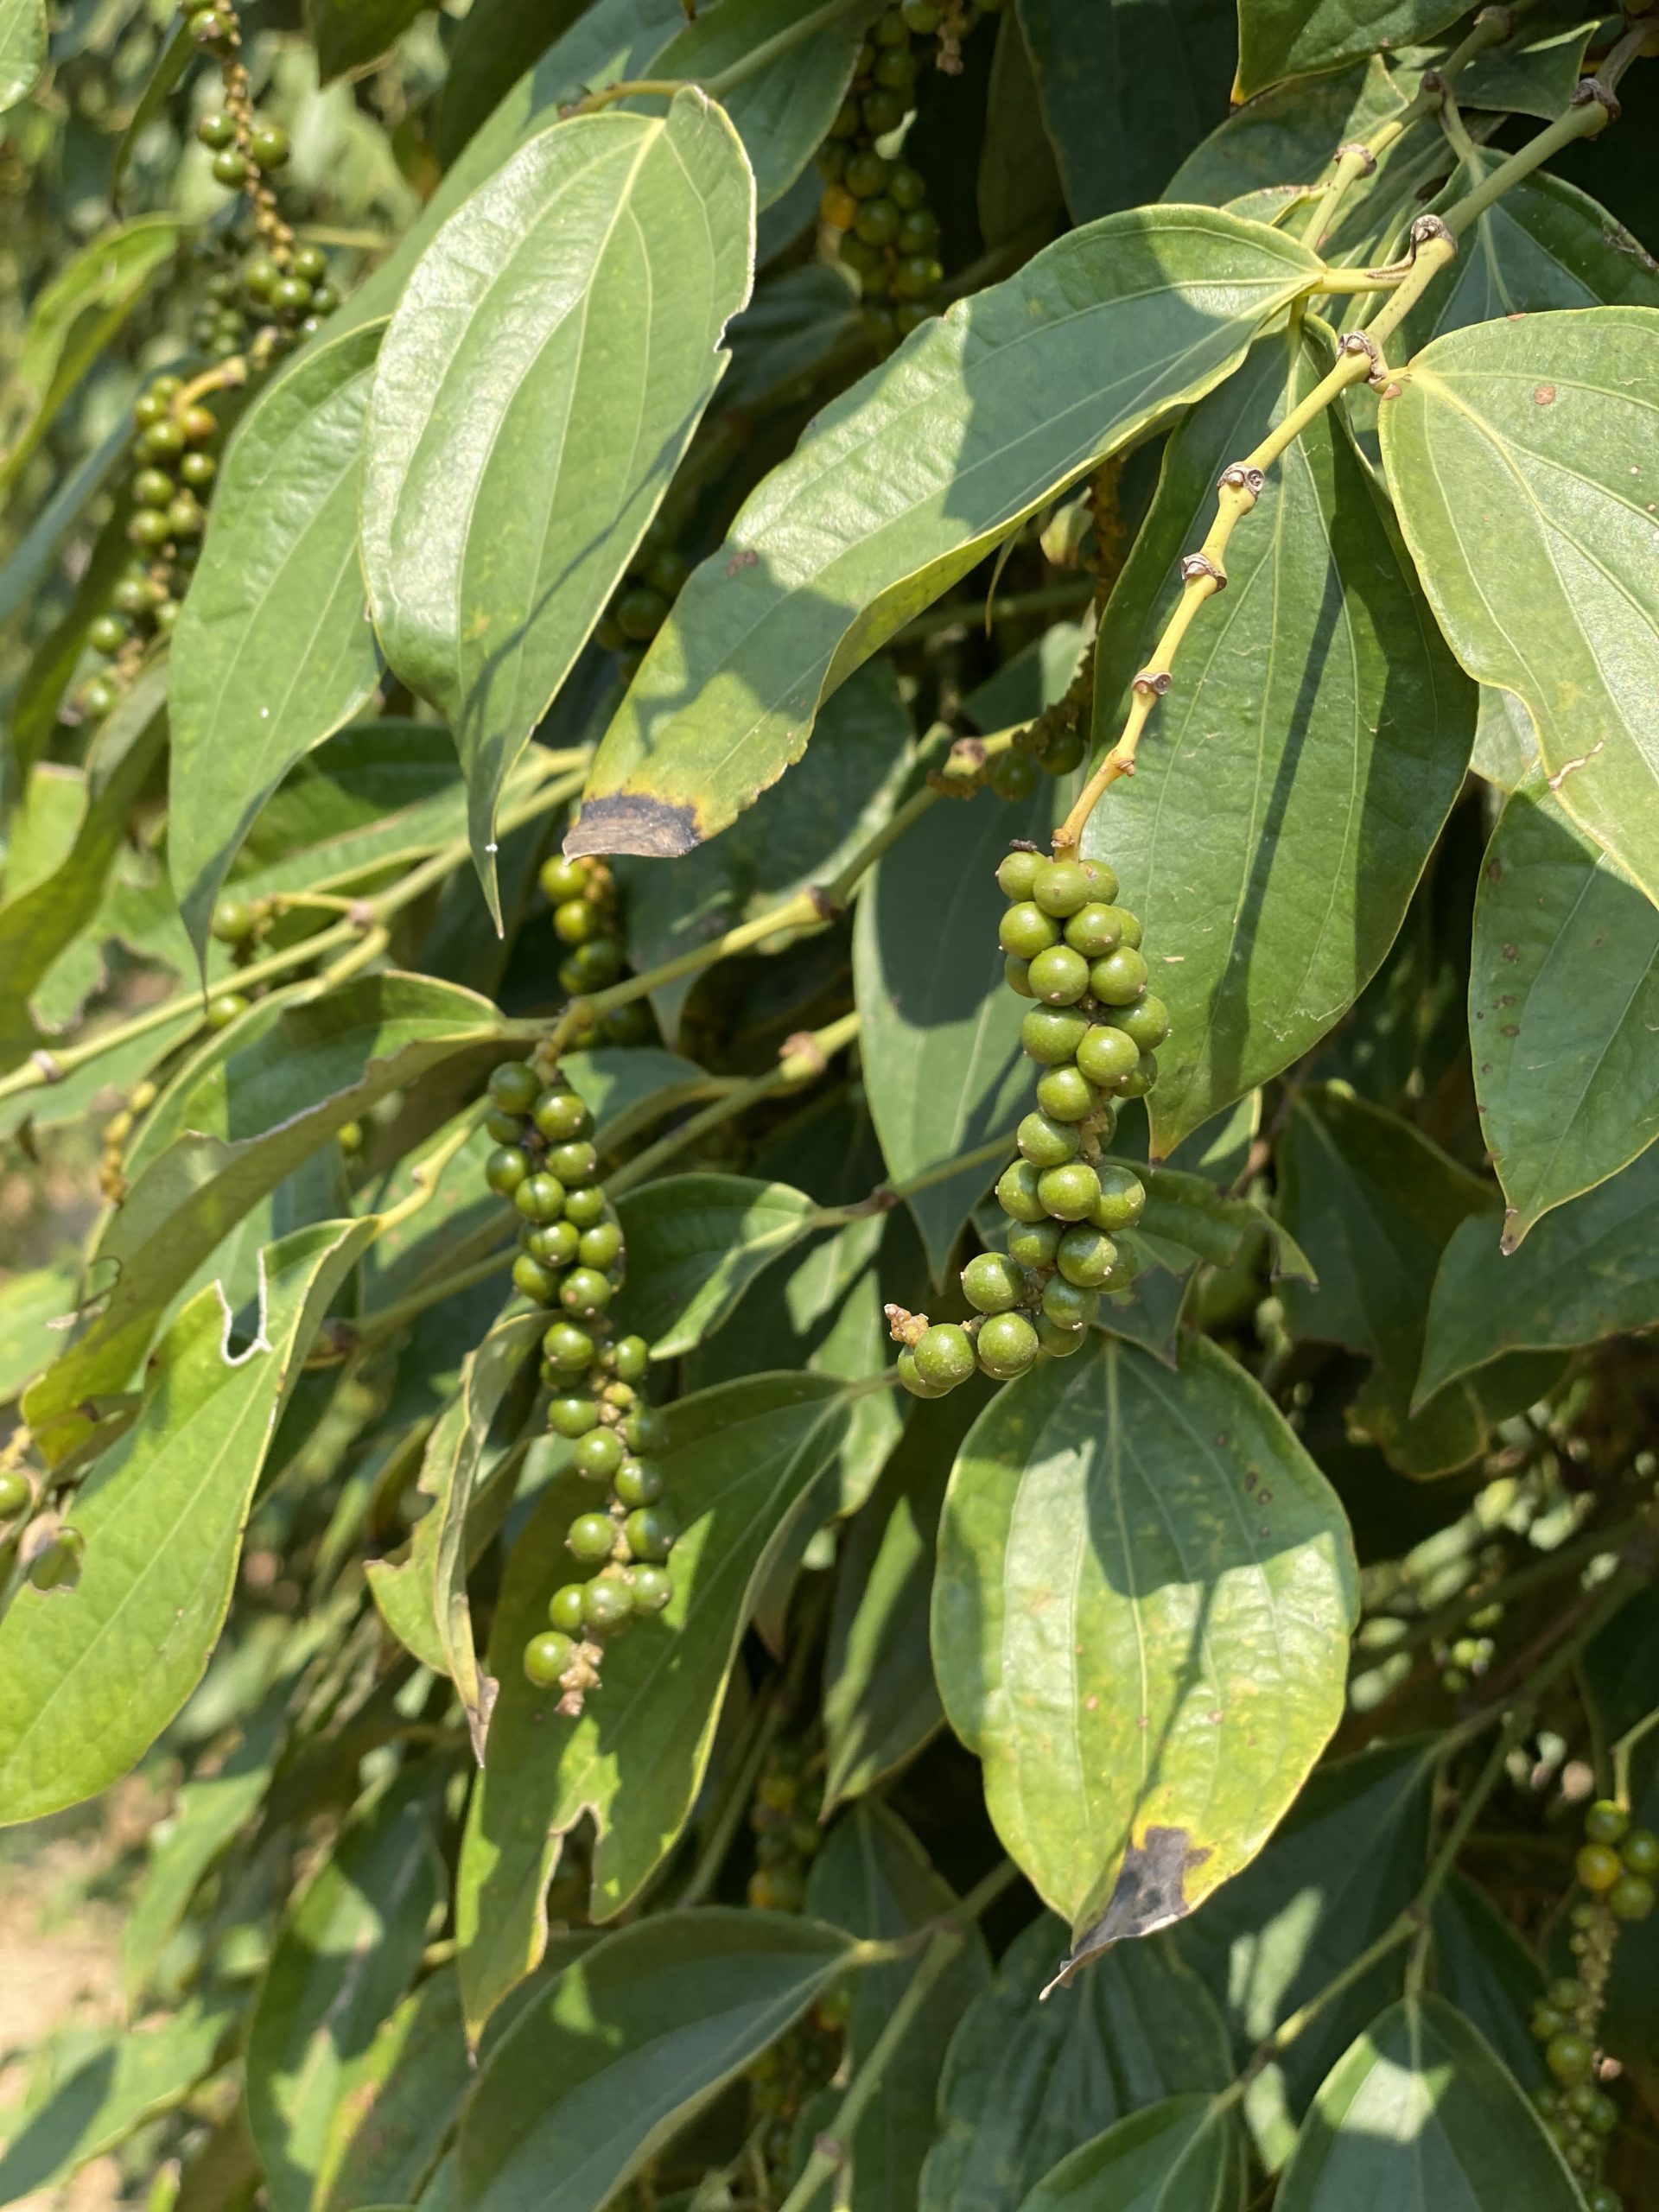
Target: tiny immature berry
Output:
[
  {"x": 1569, "y": 2056},
  {"x": 16, "y": 1493},
  {"x": 1605, "y": 1821},
  {"x": 1639, "y": 1851},
  {"x": 606, "y": 1605},
  {"x": 637, "y": 1481},
  {"x": 1597, "y": 1866},
  {"x": 591, "y": 1537},
  {"x": 1060, "y": 1343},
  {"x": 651, "y": 1531},
  {"x": 546, "y": 1657},
  {"x": 992, "y": 1284},
  {"x": 1630, "y": 1898},
  {"x": 945, "y": 1356},
  {"x": 650, "y": 1588},
  {"x": 564, "y": 1608},
  {"x": 598, "y": 1455},
  {"x": 227, "y": 1008},
  {"x": 1014, "y": 775}
]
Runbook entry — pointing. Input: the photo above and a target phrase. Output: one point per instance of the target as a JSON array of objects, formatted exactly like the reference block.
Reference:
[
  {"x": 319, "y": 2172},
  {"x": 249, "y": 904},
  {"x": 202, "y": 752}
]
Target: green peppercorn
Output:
[
  {"x": 1066, "y": 1094},
  {"x": 651, "y": 1531},
  {"x": 1026, "y": 931},
  {"x": 591, "y": 1538},
  {"x": 867, "y": 174},
  {"x": 629, "y": 1356},
  {"x": 945, "y": 1356},
  {"x": 1063, "y": 752},
  {"x": 1606, "y": 1822},
  {"x": 546, "y": 1656},
  {"x": 584, "y": 1206},
  {"x": 906, "y": 187},
  {"x": 1070, "y": 1193},
  {"x": 598, "y": 1455},
  {"x": 1013, "y": 776},
  {"x": 564, "y": 1608},
  {"x": 1045, "y": 1142},
  {"x": 1035, "y": 1243},
  {"x": 1630, "y": 1898},
  {"x": 16, "y": 1494},
  {"x": 567, "y": 1349},
  {"x": 1016, "y": 974},
  {"x": 1119, "y": 978},
  {"x": 585, "y": 1293},
  {"x": 310, "y": 263},
  {"x": 650, "y": 1588},
  {"x": 1058, "y": 976},
  {"x": 637, "y": 1481},
  {"x": 229, "y": 1007},
  {"x": 576, "y": 922},
  {"x": 883, "y": 109},
  {"x": 993, "y": 1284},
  {"x": 877, "y": 221},
  {"x": 1007, "y": 1345},
  {"x": 1051, "y": 1035},
  {"x": 606, "y": 1605},
  {"x": 1147, "y": 1022},
  {"x": 537, "y": 1283},
  {"x": 230, "y": 169},
  {"x": 641, "y": 612},
  {"x": 270, "y": 146},
  {"x": 1569, "y": 2056}
]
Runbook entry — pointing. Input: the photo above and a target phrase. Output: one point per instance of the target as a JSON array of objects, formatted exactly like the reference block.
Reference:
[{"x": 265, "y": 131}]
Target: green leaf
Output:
[
  {"x": 1564, "y": 1005},
  {"x": 424, "y": 1597},
  {"x": 1018, "y": 191},
  {"x": 1188, "y": 1212},
  {"x": 940, "y": 1028},
  {"x": 874, "y": 1879},
  {"x": 1506, "y": 741},
  {"x": 350, "y": 33},
  {"x": 1506, "y": 451},
  {"x": 739, "y": 1462},
  {"x": 632, "y": 2038},
  {"x": 695, "y": 1243},
  {"x": 1485, "y": 1967},
  {"x": 160, "y": 85},
  {"x": 36, "y": 928},
  {"x": 210, "y": 1811},
  {"x": 1420, "y": 2116},
  {"x": 1183, "y": 2155},
  {"x": 274, "y": 649},
  {"x": 90, "y": 1676},
  {"x": 1026, "y": 385},
  {"x": 84, "y": 307},
  {"x": 1272, "y": 872},
  {"x": 563, "y": 331},
  {"x": 784, "y": 111},
  {"x": 880, "y": 1705},
  {"x": 22, "y": 47},
  {"x": 626, "y": 1087},
  {"x": 1347, "y": 1860},
  {"x": 1588, "y": 1270},
  {"x": 30, "y": 1304},
  {"x": 1096, "y": 62},
  {"x": 491, "y": 48},
  {"x": 343, "y": 1958},
  {"x": 123, "y": 2083},
  {"x": 251, "y": 1120},
  {"x": 405, "y": 2096},
  {"x": 1298, "y": 38},
  {"x": 1535, "y": 71},
  {"x": 1111, "y": 1524},
  {"x": 1026, "y": 2080},
  {"x": 800, "y": 833}
]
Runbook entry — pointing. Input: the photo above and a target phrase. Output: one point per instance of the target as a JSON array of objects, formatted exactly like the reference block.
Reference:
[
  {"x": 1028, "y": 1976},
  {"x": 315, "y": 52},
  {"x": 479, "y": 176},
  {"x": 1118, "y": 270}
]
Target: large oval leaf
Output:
[
  {"x": 1297, "y": 776},
  {"x": 1140, "y": 1623},
  {"x": 406, "y": 2094},
  {"x": 1021, "y": 388},
  {"x": 1563, "y": 1009},
  {"x": 90, "y": 1677},
  {"x": 740, "y": 1460},
  {"x": 274, "y": 649},
  {"x": 1419, "y": 2115},
  {"x": 1180, "y": 2156},
  {"x": 695, "y": 1243},
  {"x": 1296, "y": 38},
  {"x": 1589, "y": 1269},
  {"x": 1027, "y": 2081},
  {"x": 542, "y": 376},
  {"x": 1509, "y": 449},
  {"x": 345, "y": 1955},
  {"x": 630, "y": 2040}
]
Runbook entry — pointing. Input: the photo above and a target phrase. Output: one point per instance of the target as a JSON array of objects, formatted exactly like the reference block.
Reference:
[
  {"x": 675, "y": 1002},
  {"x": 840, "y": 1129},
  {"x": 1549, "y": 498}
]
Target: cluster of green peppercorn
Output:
[
  {"x": 582, "y": 893},
  {"x": 1091, "y": 1030},
  {"x": 876, "y": 204},
  {"x": 1617, "y": 1865},
  {"x": 571, "y": 1257}
]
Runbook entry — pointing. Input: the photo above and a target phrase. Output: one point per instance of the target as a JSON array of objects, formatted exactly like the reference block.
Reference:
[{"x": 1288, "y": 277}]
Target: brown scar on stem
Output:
[
  {"x": 632, "y": 823},
  {"x": 1150, "y": 1892}
]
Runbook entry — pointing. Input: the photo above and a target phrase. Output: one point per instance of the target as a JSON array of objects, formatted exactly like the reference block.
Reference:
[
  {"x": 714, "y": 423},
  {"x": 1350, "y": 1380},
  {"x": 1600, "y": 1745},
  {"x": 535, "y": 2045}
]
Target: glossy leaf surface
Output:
[
  {"x": 1029, "y": 2079},
  {"x": 632, "y": 2037},
  {"x": 1589, "y": 1269},
  {"x": 1023, "y": 387},
  {"x": 1295, "y": 38},
  {"x": 274, "y": 649},
  {"x": 1294, "y": 780},
  {"x": 1509, "y": 452},
  {"x": 345, "y": 1954},
  {"x": 1419, "y": 2115},
  {"x": 90, "y": 1676},
  {"x": 693, "y": 1244},
  {"x": 1180, "y": 2156},
  {"x": 560, "y": 339},
  {"x": 739, "y": 1460},
  {"x": 1563, "y": 1009},
  {"x": 1136, "y": 1568}
]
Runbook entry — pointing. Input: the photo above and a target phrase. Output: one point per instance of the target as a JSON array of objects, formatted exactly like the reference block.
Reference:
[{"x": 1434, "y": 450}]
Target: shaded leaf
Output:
[
  {"x": 350, "y": 33},
  {"x": 343, "y": 1956},
  {"x": 561, "y": 332},
  {"x": 1420, "y": 2116},
  {"x": 631, "y": 2038},
  {"x": 1347, "y": 1860},
  {"x": 1025, "y": 385},
  {"x": 1506, "y": 743},
  {"x": 1484, "y": 1968},
  {"x": 28, "y": 1305},
  {"x": 160, "y": 85},
  {"x": 1018, "y": 191},
  {"x": 1027, "y": 2082},
  {"x": 1297, "y": 38},
  {"x": 1300, "y": 771},
  {"x": 273, "y": 651},
  {"x": 254, "y": 1117},
  {"x": 124, "y": 2082},
  {"x": 90, "y": 1676},
  {"x": 874, "y": 1879},
  {"x": 1563, "y": 1009},
  {"x": 695, "y": 1243},
  {"x": 739, "y": 1460},
  {"x": 1188, "y": 1212},
  {"x": 939, "y": 1027},
  {"x": 1096, "y": 62},
  {"x": 1509, "y": 452},
  {"x": 404, "y": 2098},
  {"x": 1588, "y": 1270},
  {"x": 1135, "y": 1566},
  {"x": 424, "y": 1597},
  {"x": 492, "y": 46},
  {"x": 1180, "y": 2156}
]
